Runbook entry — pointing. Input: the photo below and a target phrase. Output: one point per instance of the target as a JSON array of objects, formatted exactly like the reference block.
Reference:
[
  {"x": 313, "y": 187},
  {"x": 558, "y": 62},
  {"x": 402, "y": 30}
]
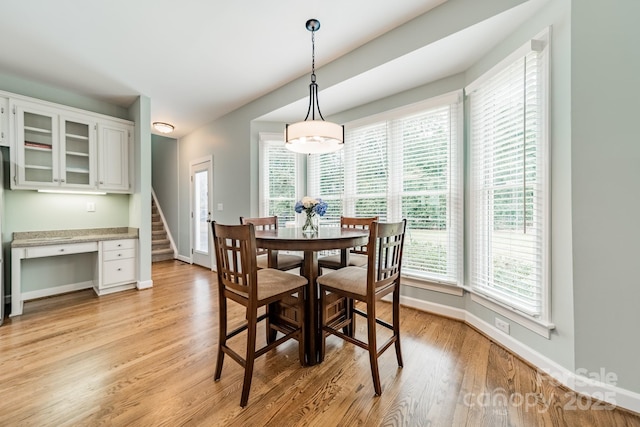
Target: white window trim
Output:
[
  {"x": 541, "y": 325},
  {"x": 274, "y": 138},
  {"x": 454, "y": 97}
]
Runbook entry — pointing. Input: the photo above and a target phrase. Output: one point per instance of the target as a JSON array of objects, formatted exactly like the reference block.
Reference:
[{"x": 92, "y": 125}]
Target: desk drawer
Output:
[
  {"x": 119, "y": 271},
  {"x": 54, "y": 250},
  {"x": 121, "y": 254},
  {"x": 111, "y": 245}
]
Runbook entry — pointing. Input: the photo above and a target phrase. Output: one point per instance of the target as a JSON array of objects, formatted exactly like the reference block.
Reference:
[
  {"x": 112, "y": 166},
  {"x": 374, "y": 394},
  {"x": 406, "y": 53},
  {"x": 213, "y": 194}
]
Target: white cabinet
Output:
[
  {"x": 4, "y": 121},
  {"x": 113, "y": 154},
  {"x": 117, "y": 271},
  {"x": 52, "y": 149},
  {"x": 58, "y": 147},
  {"x": 37, "y": 145},
  {"x": 77, "y": 152}
]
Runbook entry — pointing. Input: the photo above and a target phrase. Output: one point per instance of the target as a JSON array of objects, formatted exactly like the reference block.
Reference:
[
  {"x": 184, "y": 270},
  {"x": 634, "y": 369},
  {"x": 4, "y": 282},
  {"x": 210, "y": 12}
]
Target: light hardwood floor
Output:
[{"x": 147, "y": 358}]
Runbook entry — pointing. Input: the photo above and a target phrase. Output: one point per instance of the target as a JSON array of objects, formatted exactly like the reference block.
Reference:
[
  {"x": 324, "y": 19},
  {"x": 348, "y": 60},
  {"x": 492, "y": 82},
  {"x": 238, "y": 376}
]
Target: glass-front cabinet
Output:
[
  {"x": 4, "y": 121},
  {"x": 37, "y": 146},
  {"x": 78, "y": 153},
  {"x": 53, "y": 150}
]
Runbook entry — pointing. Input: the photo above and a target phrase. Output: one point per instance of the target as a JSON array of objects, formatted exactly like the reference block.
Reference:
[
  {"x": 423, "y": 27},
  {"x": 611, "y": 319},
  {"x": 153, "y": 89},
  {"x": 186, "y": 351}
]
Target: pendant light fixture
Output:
[{"x": 314, "y": 135}]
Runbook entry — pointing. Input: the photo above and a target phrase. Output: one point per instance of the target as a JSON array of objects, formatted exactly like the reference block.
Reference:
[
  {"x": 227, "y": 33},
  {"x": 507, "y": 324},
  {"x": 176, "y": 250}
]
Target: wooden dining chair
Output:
[
  {"x": 340, "y": 306},
  {"x": 285, "y": 261},
  {"x": 240, "y": 280},
  {"x": 381, "y": 277},
  {"x": 357, "y": 255}
]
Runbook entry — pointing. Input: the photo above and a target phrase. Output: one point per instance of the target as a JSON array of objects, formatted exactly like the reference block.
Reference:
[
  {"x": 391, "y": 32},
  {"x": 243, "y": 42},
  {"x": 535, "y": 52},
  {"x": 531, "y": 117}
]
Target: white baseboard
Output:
[
  {"x": 41, "y": 293},
  {"x": 184, "y": 259},
  {"x": 598, "y": 390},
  {"x": 144, "y": 284},
  {"x": 113, "y": 289}
]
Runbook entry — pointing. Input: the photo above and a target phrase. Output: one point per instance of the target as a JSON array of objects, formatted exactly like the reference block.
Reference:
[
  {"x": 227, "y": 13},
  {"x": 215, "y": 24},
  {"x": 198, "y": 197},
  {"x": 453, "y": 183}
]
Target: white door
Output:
[{"x": 201, "y": 202}]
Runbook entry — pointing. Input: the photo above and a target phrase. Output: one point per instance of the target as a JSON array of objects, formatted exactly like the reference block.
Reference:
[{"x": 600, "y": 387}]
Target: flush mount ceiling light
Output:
[
  {"x": 163, "y": 127},
  {"x": 314, "y": 136}
]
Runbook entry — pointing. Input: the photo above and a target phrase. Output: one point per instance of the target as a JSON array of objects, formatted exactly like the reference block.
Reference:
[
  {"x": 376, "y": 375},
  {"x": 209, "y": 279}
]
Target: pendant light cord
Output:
[{"x": 313, "y": 56}]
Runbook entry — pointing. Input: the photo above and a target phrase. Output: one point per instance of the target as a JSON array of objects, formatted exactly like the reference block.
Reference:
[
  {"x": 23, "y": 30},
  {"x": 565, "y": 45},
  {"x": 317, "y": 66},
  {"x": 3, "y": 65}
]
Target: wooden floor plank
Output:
[{"x": 147, "y": 358}]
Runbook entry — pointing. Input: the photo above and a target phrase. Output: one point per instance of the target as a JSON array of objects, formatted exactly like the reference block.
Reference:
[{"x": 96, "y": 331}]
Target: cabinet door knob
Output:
[
  {"x": 61, "y": 250},
  {"x": 119, "y": 269}
]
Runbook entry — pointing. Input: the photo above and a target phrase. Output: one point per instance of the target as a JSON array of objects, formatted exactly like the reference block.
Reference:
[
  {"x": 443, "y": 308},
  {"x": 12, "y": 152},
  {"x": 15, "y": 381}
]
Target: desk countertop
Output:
[{"x": 25, "y": 239}]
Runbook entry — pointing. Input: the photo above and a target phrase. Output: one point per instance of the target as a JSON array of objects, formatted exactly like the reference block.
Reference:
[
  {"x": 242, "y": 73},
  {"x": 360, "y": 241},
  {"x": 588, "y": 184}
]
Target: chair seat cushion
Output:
[
  {"x": 274, "y": 282},
  {"x": 333, "y": 261},
  {"x": 285, "y": 261},
  {"x": 350, "y": 279}
]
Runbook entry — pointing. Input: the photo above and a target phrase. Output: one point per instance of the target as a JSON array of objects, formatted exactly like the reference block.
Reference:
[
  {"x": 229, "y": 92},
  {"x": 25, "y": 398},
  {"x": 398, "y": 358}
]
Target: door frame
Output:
[{"x": 192, "y": 164}]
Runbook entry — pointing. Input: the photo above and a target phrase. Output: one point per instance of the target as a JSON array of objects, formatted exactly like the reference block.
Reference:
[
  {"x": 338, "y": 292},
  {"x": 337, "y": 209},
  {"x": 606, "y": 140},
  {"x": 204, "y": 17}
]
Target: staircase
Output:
[{"x": 160, "y": 244}]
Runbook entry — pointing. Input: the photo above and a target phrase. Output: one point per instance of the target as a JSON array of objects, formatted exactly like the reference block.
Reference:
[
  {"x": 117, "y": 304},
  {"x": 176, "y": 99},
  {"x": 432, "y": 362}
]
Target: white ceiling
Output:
[{"x": 198, "y": 60}]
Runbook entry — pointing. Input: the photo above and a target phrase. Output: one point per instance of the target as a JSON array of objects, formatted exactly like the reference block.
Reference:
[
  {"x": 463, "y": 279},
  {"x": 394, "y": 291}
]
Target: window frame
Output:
[
  {"x": 537, "y": 322},
  {"x": 268, "y": 140},
  {"x": 394, "y": 192}
]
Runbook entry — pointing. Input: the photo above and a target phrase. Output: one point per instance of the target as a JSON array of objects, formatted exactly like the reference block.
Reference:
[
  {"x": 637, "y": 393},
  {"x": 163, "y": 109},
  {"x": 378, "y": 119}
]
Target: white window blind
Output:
[
  {"x": 279, "y": 179},
  {"x": 326, "y": 180},
  {"x": 405, "y": 164},
  {"x": 430, "y": 192},
  {"x": 509, "y": 184}
]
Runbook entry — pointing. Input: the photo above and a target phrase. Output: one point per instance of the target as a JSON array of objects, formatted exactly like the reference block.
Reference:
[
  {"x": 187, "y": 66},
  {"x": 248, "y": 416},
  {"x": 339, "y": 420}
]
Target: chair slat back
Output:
[
  {"x": 385, "y": 261},
  {"x": 261, "y": 223},
  {"x": 363, "y": 223},
  {"x": 235, "y": 247}
]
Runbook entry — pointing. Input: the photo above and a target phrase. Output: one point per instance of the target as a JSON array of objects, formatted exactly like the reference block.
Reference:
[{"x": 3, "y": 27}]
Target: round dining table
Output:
[{"x": 294, "y": 239}]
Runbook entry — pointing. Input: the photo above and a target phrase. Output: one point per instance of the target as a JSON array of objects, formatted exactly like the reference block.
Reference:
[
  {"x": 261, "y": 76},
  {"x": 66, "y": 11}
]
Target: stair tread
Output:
[
  {"x": 160, "y": 244},
  {"x": 161, "y": 251}
]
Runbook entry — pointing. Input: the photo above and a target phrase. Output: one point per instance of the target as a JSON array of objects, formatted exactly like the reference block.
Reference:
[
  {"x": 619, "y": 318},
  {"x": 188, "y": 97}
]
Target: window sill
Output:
[
  {"x": 420, "y": 283},
  {"x": 540, "y": 327}
]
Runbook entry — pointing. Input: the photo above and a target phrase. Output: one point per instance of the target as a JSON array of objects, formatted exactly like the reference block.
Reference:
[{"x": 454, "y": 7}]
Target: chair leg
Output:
[
  {"x": 373, "y": 347},
  {"x": 396, "y": 323},
  {"x": 301, "y": 342},
  {"x": 222, "y": 336},
  {"x": 251, "y": 355},
  {"x": 323, "y": 323},
  {"x": 271, "y": 333},
  {"x": 351, "y": 328}
]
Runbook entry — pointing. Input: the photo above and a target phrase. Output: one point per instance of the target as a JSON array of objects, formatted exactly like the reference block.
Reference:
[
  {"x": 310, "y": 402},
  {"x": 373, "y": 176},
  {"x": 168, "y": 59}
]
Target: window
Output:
[
  {"x": 279, "y": 178},
  {"x": 509, "y": 182},
  {"x": 403, "y": 164},
  {"x": 326, "y": 180}
]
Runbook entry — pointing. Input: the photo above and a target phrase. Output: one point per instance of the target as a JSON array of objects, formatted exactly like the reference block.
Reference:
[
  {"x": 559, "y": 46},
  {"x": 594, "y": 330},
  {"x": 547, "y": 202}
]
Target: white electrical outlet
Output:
[
  {"x": 220, "y": 206},
  {"x": 502, "y": 325},
  {"x": 91, "y": 207}
]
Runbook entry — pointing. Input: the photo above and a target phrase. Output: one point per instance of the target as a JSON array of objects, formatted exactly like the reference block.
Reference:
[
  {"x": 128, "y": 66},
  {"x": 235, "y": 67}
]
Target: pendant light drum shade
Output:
[{"x": 314, "y": 137}]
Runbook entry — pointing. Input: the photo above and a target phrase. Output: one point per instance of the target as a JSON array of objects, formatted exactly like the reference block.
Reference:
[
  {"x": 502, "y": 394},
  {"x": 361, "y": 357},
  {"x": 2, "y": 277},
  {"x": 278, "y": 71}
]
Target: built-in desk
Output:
[{"x": 114, "y": 267}]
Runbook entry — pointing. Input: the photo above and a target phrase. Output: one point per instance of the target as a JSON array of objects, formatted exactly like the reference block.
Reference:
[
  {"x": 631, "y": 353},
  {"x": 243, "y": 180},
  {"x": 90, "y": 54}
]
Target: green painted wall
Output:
[
  {"x": 594, "y": 158},
  {"x": 605, "y": 169},
  {"x": 140, "y": 200},
  {"x": 164, "y": 179}
]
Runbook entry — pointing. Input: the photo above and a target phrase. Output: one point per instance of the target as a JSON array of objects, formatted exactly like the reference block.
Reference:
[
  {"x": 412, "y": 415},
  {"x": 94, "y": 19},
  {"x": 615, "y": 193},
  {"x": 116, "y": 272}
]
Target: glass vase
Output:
[{"x": 310, "y": 225}]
